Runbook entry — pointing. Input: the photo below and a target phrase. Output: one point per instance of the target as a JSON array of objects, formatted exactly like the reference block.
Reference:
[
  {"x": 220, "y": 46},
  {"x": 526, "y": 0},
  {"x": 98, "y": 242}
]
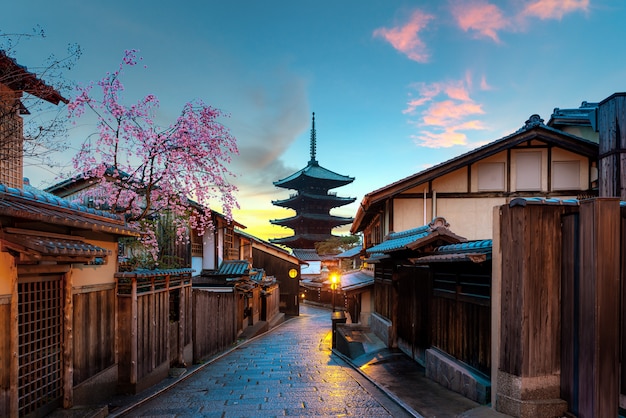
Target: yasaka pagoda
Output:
[{"x": 312, "y": 203}]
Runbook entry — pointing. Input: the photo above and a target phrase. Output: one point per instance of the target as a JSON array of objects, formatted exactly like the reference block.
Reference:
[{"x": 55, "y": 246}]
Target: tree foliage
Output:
[
  {"x": 143, "y": 169},
  {"x": 336, "y": 245}
]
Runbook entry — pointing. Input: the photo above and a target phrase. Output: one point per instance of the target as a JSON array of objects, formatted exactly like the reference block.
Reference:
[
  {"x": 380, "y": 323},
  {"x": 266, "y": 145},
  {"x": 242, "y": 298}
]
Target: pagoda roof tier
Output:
[
  {"x": 311, "y": 219},
  {"x": 305, "y": 241},
  {"x": 314, "y": 176},
  {"x": 326, "y": 200}
]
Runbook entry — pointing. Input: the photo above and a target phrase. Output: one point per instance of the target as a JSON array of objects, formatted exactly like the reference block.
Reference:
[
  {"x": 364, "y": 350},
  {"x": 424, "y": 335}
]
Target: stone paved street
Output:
[{"x": 289, "y": 371}]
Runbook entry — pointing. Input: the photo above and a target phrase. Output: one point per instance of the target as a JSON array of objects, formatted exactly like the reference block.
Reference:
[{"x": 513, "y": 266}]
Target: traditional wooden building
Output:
[
  {"x": 57, "y": 302},
  {"x": 535, "y": 161},
  {"x": 312, "y": 202}
]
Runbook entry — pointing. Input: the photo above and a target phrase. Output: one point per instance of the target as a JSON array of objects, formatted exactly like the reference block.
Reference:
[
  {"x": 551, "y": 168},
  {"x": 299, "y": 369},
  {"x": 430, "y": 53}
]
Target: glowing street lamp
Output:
[{"x": 334, "y": 279}]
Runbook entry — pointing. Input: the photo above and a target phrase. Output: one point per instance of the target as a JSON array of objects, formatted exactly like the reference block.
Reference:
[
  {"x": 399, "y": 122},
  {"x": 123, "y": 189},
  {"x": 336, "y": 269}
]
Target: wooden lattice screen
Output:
[{"x": 40, "y": 323}]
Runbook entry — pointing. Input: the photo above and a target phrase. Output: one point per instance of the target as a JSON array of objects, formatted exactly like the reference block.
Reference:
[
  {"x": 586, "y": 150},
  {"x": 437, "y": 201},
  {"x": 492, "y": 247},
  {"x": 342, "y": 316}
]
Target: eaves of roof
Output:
[
  {"x": 472, "y": 251},
  {"x": 315, "y": 172},
  {"x": 40, "y": 246},
  {"x": 17, "y": 77},
  {"x": 306, "y": 254},
  {"x": 412, "y": 239},
  {"x": 356, "y": 280},
  {"x": 533, "y": 130},
  {"x": 319, "y": 217},
  {"x": 353, "y": 252},
  {"x": 43, "y": 208},
  {"x": 234, "y": 268}
]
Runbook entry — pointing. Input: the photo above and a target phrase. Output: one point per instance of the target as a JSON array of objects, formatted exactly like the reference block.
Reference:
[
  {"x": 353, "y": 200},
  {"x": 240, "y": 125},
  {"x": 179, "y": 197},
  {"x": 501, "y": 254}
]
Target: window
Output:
[
  {"x": 490, "y": 177},
  {"x": 528, "y": 171},
  {"x": 566, "y": 175}
]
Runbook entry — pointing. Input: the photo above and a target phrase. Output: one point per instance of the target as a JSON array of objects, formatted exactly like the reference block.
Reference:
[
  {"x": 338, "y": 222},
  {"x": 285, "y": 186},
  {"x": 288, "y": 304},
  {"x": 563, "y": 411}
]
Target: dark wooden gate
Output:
[
  {"x": 414, "y": 318},
  {"x": 40, "y": 328}
]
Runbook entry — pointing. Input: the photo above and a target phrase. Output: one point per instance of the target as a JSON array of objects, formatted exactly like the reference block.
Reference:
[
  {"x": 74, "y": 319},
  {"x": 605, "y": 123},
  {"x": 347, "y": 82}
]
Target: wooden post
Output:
[
  {"x": 599, "y": 308},
  {"x": 612, "y": 146},
  {"x": 133, "y": 332},
  {"x": 528, "y": 379},
  {"x": 68, "y": 342},
  {"x": 180, "y": 358},
  {"x": 496, "y": 299},
  {"x": 14, "y": 344}
]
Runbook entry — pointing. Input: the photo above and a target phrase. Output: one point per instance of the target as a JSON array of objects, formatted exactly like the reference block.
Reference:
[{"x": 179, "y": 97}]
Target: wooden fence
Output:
[
  {"x": 151, "y": 306},
  {"x": 214, "y": 322},
  {"x": 94, "y": 331}
]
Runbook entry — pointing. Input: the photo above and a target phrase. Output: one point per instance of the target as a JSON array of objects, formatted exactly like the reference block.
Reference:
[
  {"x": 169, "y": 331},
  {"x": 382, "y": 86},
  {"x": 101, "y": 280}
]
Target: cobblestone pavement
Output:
[{"x": 289, "y": 371}]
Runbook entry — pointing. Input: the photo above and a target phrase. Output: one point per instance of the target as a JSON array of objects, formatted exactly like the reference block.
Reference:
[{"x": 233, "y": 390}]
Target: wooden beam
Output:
[{"x": 68, "y": 342}]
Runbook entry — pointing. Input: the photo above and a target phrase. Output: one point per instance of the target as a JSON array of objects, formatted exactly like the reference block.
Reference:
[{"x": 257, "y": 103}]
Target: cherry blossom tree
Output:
[{"x": 143, "y": 169}]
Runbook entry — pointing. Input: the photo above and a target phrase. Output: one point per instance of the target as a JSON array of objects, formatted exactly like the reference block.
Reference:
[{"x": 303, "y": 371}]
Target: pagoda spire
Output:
[{"x": 313, "y": 141}]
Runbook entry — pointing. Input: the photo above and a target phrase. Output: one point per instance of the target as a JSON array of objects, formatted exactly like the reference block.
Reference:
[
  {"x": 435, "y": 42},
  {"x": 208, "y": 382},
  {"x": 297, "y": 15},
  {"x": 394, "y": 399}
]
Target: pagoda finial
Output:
[{"x": 313, "y": 140}]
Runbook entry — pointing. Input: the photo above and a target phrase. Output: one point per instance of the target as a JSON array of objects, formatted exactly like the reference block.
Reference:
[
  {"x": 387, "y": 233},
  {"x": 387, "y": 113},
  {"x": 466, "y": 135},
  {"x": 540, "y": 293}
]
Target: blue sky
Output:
[{"x": 396, "y": 86}]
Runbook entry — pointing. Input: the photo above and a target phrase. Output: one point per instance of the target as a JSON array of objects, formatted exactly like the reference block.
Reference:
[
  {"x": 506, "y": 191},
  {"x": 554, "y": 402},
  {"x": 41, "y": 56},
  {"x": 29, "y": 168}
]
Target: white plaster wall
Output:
[
  {"x": 409, "y": 213},
  {"x": 208, "y": 251},
  {"x": 470, "y": 218}
]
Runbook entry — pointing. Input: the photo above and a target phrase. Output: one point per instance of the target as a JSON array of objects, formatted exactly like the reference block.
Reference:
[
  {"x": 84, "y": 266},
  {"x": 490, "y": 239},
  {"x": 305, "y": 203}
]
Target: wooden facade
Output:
[{"x": 277, "y": 263}]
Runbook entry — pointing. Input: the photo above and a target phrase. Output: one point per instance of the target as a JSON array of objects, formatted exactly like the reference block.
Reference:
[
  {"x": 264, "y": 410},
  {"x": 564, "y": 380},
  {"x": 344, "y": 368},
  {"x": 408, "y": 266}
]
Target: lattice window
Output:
[{"x": 40, "y": 325}]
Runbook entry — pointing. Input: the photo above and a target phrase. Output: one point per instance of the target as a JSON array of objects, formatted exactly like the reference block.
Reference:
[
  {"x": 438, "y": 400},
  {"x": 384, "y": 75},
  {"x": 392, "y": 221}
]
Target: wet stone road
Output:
[{"x": 289, "y": 371}]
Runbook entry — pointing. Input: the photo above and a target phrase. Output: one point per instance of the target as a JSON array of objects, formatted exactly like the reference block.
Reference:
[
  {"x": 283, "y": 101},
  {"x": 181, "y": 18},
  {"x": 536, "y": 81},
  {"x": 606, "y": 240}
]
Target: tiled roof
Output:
[
  {"x": 51, "y": 246},
  {"x": 353, "y": 252},
  {"x": 356, "y": 280},
  {"x": 29, "y": 205},
  {"x": 155, "y": 272},
  {"x": 306, "y": 254},
  {"x": 376, "y": 257},
  {"x": 413, "y": 238},
  {"x": 474, "y": 251},
  {"x": 315, "y": 172},
  {"x": 234, "y": 268},
  {"x": 301, "y": 240},
  {"x": 308, "y": 217},
  {"x": 523, "y": 201}
]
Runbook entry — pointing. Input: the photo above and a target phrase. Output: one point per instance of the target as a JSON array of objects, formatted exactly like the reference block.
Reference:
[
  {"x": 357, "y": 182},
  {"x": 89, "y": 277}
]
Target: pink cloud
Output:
[
  {"x": 554, "y": 9},
  {"x": 446, "y": 139},
  {"x": 406, "y": 38},
  {"x": 455, "y": 90},
  {"x": 484, "y": 85},
  {"x": 446, "y": 112},
  {"x": 449, "y": 111},
  {"x": 481, "y": 17}
]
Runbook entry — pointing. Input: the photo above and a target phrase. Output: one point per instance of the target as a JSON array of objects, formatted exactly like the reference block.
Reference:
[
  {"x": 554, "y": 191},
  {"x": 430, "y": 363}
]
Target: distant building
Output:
[{"x": 312, "y": 203}]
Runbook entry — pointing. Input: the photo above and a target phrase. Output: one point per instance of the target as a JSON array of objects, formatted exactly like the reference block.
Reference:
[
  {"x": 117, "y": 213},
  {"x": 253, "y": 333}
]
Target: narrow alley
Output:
[{"x": 289, "y": 371}]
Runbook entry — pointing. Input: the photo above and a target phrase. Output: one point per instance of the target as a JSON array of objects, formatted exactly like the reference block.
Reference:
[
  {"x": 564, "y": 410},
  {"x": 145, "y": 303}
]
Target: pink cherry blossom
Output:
[{"x": 143, "y": 169}]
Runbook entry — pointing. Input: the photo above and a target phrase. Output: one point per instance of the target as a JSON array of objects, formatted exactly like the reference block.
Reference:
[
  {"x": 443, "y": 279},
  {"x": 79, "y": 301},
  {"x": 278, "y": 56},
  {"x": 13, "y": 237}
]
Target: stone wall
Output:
[{"x": 457, "y": 377}]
